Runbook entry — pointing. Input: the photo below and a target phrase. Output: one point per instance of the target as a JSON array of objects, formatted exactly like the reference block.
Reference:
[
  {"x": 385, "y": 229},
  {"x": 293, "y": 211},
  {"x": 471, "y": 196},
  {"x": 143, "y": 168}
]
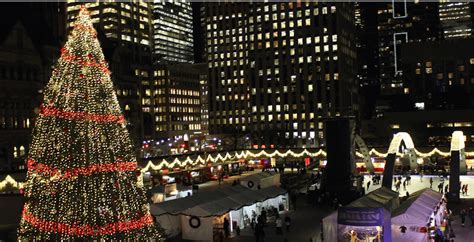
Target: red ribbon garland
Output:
[
  {"x": 86, "y": 229},
  {"x": 86, "y": 171},
  {"x": 66, "y": 55},
  {"x": 52, "y": 111}
]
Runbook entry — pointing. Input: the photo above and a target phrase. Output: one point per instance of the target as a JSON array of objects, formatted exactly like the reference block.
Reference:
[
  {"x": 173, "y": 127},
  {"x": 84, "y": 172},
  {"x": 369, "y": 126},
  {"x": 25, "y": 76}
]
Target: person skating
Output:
[
  {"x": 431, "y": 182},
  {"x": 368, "y": 185},
  {"x": 440, "y": 188}
]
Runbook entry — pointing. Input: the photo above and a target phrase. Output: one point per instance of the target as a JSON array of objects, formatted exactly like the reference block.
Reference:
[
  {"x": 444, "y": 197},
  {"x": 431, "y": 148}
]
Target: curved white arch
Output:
[
  {"x": 364, "y": 151},
  {"x": 457, "y": 141},
  {"x": 457, "y": 151},
  {"x": 397, "y": 140},
  {"x": 410, "y": 146}
]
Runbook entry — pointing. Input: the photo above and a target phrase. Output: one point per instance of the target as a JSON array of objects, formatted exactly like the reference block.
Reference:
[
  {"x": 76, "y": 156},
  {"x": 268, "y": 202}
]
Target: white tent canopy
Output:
[
  {"x": 380, "y": 198},
  {"x": 264, "y": 179},
  {"x": 414, "y": 214},
  {"x": 417, "y": 209},
  {"x": 235, "y": 202}
]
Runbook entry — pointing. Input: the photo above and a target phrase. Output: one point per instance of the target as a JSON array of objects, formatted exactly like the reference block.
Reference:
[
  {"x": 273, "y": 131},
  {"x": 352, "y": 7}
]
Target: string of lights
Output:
[
  {"x": 201, "y": 160},
  {"x": 82, "y": 181}
]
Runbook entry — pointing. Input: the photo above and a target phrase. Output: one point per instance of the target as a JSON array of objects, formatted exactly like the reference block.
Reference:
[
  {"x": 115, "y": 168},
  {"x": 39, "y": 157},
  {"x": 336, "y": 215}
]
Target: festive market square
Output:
[{"x": 237, "y": 121}]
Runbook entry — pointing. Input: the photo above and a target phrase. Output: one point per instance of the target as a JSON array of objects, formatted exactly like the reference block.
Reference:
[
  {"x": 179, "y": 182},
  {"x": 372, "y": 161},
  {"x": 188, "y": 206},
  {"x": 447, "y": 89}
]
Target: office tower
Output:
[
  {"x": 203, "y": 81},
  {"x": 277, "y": 69},
  {"x": 173, "y": 103},
  {"x": 367, "y": 56},
  {"x": 440, "y": 75},
  {"x": 124, "y": 30},
  {"x": 173, "y": 31},
  {"x": 456, "y": 19},
  {"x": 399, "y": 23}
]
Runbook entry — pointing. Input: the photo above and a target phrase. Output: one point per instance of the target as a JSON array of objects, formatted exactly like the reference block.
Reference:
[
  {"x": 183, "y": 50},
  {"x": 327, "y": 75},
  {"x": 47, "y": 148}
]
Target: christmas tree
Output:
[{"x": 82, "y": 172}]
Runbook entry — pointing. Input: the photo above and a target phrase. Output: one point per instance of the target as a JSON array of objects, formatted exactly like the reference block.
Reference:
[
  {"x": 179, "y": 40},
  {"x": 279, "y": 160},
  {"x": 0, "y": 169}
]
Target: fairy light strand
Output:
[{"x": 82, "y": 181}]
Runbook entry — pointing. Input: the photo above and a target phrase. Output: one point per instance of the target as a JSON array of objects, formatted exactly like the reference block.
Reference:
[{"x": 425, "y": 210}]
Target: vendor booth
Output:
[
  {"x": 264, "y": 179},
  {"x": 201, "y": 216},
  {"x": 365, "y": 219},
  {"x": 417, "y": 216}
]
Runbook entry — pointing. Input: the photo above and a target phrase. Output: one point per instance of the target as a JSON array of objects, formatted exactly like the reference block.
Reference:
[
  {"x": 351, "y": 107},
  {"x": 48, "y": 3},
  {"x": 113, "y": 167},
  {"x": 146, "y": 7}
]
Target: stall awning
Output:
[
  {"x": 418, "y": 208},
  {"x": 215, "y": 203},
  {"x": 379, "y": 198}
]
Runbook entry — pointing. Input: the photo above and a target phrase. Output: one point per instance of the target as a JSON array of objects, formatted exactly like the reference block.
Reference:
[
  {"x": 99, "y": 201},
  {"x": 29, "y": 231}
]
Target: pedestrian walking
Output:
[
  {"x": 471, "y": 215},
  {"x": 278, "y": 224},
  {"x": 226, "y": 227},
  {"x": 264, "y": 217},
  {"x": 287, "y": 223},
  {"x": 431, "y": 182},
  {"x": 259, "y": 233},
  {"x": 462, "y": 214}
]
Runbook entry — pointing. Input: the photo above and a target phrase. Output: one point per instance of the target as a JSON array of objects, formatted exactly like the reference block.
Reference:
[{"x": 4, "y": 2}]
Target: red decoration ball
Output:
[{"x": 81, "y": 75}]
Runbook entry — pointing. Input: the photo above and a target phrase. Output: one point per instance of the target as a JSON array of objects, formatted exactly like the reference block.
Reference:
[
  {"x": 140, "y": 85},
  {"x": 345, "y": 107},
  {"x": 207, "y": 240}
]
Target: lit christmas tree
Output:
[{"x": 82, "y": 173}]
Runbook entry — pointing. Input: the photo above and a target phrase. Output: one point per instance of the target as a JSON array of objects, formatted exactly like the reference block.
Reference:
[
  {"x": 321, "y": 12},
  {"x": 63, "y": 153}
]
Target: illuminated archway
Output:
[
  {"x": 457, "y": 165},
  {"x": 457, "y": 150},
  {"x": 364, "y": 150},
  {"x": 392, "y": 153}
]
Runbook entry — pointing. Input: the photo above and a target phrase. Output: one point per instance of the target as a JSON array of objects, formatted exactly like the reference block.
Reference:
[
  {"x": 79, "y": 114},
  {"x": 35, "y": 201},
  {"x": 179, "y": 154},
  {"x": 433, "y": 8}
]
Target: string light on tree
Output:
[{"x": 82, "y": 182}]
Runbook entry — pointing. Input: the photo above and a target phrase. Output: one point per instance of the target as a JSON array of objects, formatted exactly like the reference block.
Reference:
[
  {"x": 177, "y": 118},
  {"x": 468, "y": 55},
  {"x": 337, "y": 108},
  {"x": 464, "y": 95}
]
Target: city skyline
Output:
[
  {"x": 236, "y": 121},
  {"x": 285, "y": 97}
]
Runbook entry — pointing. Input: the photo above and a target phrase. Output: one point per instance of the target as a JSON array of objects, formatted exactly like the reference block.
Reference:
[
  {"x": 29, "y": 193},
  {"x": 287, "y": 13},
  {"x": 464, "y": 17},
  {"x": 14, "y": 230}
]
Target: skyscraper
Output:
[
  {"x": 400, "y": 22},
  {"x": 124, "y": 30},
  {"x": 173, "y": 31},
  {"x": 277, "y": 69},
  {"x": 174, "y": 102},
  {"x": 456, "y": 19}
]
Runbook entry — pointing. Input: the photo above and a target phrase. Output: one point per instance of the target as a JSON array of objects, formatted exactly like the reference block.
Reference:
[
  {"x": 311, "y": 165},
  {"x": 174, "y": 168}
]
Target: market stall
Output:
[
  {"x": 366, "y": 219},
  {"x": 196, "y": 217},
  {"x": 414, "y": 218},
  {"x": 264, "y": 179}
]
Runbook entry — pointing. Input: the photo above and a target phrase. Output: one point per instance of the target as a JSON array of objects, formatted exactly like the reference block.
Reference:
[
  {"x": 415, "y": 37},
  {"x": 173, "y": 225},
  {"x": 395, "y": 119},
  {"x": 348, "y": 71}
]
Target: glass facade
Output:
[
  {"x": 173, "y": 31},
  {"x": 277, "y": 69}
]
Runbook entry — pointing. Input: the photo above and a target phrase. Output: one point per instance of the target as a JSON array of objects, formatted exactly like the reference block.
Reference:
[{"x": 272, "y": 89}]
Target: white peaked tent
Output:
[
  {"x": 194, "y": 216},
  {"x": 380, "y": 198},
  {"x": 264, "y": 179},
  {"x": 415, "y": 213}
]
